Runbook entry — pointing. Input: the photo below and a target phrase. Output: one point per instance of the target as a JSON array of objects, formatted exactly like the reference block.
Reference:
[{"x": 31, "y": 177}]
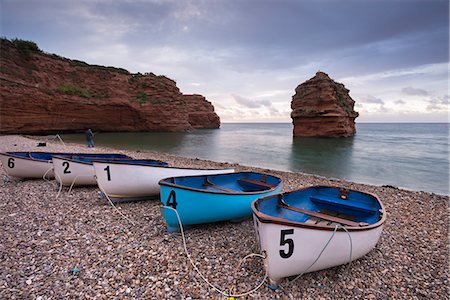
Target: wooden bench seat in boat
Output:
[
  {"x": 256, "y": 183},
  {"x": 320, "y": 215},
  {"x": 211, "y": 186},
  {"x": 344, "y": 203}
]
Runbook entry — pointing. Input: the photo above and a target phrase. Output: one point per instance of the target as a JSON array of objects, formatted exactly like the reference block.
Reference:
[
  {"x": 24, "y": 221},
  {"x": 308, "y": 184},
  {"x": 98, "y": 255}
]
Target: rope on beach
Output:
[
  {"x": 75, "y": 179},
  {"x": 263, "y": 256},
  {"x": 112, "y": 204},
  {"x": 59, "y": 137},
  {"x": 323, "y": 249},
  {"x": 45, "y": 174},
  {"x": 60, "y": 185}
]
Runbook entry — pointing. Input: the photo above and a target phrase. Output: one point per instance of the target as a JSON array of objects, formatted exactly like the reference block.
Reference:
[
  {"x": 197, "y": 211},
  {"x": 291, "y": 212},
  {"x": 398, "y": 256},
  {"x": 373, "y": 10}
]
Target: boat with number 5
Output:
[
  {"x": 213, "y": 198},
  {"x": 315, "y": 228},
  {"x": 133, "y": 180}
]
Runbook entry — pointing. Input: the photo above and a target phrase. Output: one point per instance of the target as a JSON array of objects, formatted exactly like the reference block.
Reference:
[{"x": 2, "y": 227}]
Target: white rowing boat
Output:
[
  {"x": 28, "y": 165},
  {"x": 127, "y": 181},
  {"x": 77, "y": 170}
]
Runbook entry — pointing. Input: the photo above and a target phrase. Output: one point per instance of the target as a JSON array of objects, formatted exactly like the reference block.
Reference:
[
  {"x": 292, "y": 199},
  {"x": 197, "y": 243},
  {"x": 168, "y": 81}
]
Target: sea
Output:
[{"x": 414, "y": 156}]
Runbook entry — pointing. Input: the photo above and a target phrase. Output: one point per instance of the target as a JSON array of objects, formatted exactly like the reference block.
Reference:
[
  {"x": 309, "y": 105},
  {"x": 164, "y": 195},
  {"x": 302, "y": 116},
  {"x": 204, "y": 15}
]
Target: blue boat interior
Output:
[
  {"x": 38, "y": 155},
  {"x": 229, "y": 183},
  {"x": 90, "y": 157},
  {"x": 349, "y": 205}
]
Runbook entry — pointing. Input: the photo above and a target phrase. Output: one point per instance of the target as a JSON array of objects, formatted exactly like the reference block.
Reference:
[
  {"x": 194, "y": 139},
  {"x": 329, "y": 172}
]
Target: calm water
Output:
[{"x": 413, "y": 156}]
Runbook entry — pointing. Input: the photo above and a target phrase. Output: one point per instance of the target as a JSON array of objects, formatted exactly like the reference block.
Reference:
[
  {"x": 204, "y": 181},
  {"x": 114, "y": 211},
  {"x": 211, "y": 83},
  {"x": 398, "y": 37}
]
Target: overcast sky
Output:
[{"x": 247, "y": 57}]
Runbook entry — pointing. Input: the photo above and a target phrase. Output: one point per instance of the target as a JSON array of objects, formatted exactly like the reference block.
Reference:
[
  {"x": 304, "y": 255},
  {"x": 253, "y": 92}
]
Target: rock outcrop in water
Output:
[
  {"x": 43, "y": 93},
  {"x": 323, "y": 107}
]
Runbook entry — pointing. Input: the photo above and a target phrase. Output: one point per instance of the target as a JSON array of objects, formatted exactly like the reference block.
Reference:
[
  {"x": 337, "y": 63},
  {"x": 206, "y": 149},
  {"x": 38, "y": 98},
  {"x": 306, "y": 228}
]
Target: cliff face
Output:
[
  {"x": 323, "y": 107},
  {"x": 42, "y": 93}
]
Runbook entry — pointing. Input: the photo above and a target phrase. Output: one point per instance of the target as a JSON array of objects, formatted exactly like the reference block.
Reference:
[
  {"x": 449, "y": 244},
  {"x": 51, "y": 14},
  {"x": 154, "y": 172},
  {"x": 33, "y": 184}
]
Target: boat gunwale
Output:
[
  {"x": 236, "y": 193},
  {"x": 163, "y": 167},
  {"x": 265, "y": 218},
  {"x": 11, "y": 154},
  {"x": 99, "y": 159},
  {"x": 61, "y": 155}
]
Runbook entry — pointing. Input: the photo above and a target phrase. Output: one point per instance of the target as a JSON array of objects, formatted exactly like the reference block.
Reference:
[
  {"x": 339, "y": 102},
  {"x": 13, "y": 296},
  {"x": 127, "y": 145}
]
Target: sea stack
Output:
[{"x": 322, "y": 107}]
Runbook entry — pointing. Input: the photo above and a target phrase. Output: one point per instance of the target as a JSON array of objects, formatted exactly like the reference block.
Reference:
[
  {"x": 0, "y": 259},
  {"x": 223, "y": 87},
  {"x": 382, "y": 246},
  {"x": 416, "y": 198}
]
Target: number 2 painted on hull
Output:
[
  {"x": 66, "y": 169},
  {"x": 289, "y": 242}
]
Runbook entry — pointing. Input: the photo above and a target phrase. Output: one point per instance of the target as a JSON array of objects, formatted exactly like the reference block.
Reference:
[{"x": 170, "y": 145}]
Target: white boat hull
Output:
[
  {"x": 21, "y": 168},
  {"x": 137, "y": 182},
  {"x": 301, "y": 247},
  {"x": 68, "y": 172}
]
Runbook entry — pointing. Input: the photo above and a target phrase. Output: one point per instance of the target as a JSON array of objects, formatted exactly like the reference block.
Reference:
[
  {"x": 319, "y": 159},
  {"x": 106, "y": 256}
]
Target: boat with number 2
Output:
[
  {"x": 316, "y": 228},
  {"x": 213, "y": 198}
]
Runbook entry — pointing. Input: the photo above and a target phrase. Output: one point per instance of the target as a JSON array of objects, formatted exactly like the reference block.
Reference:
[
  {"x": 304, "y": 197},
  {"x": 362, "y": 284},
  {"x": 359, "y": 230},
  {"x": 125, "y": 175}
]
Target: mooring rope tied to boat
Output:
[
  {"x": 263, "y": 256},
  {"x": 45, "y": 174},
  {"x": 112, "y": 204},
  {"x": 59, "y": 137},
  {"x": 71, "y": 186},
  {"x": 323, "y": 249},
  {"x": 75, "y": 179}
]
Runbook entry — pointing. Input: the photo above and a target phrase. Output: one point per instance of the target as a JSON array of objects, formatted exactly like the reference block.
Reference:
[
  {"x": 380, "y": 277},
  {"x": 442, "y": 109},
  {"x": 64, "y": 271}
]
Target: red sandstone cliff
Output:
[
  {"x": 323, "y": 107},
  {"x": 42, "y": 93}
]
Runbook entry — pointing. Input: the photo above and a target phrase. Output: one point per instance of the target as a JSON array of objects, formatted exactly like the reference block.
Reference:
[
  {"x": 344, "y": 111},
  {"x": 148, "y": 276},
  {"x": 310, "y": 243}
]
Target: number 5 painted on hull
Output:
[{"x": 289, "y": 242}]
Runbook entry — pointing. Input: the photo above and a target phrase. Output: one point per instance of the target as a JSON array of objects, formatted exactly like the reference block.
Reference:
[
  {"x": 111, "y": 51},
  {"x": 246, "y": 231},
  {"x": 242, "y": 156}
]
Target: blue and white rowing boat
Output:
[
  {"x": 212, "y": 198},
  {"x": 316, "y": 228}
]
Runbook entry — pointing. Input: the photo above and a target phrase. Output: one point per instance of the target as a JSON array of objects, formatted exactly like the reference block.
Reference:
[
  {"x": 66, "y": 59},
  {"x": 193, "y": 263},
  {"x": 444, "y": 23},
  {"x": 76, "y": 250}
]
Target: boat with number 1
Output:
[{"x": 129, "y": 181}]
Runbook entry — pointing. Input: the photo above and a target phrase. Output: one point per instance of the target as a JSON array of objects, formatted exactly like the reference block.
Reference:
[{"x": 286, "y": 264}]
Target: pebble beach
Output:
[{"x": 78, "y": 246}]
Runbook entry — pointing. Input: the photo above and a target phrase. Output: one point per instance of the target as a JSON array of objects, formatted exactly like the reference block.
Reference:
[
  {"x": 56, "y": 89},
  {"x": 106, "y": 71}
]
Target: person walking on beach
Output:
[{"x": 89, "y": 138}]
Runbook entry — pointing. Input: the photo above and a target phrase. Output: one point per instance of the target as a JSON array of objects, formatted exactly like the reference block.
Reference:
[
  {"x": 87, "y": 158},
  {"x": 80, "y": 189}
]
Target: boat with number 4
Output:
[
  {"x": 213, "y": 198},
  {"x": 316, "y": 228},
  {"x": 78, "y": 169},
  {"x": 129, "y": 181}
]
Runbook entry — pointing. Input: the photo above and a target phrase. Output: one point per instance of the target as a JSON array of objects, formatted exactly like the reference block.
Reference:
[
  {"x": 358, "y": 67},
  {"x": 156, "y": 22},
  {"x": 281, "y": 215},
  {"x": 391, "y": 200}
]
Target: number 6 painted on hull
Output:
[
  {"x": 11, "y": 162},
  {"x": 289, "y": 242}
]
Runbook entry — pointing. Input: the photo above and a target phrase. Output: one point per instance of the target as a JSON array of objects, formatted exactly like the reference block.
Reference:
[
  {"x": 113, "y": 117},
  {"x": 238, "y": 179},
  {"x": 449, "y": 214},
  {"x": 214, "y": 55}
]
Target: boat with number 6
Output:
[
  {"x": 213, "y": 198},
  {"x": 130, "y": 181},
  {"x": 316, "y": 228},
  {"x": 28, "y": 165}
]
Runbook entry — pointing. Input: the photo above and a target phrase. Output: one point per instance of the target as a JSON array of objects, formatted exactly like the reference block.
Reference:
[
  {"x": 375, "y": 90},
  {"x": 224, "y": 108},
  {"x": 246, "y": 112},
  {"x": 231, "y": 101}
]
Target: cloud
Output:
[
  {"x": 250, "y": 103},
  {"x": 369, "y": 99},
  {"x": 439, "y": 103},
  {"x": 400, "y": 102},
  {"x": 414, "y": 91}
]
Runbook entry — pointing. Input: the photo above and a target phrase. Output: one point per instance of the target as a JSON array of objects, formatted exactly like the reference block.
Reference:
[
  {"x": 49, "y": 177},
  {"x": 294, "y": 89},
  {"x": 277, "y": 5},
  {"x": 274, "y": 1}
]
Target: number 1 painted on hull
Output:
[{"x": 108, "y": 173}]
